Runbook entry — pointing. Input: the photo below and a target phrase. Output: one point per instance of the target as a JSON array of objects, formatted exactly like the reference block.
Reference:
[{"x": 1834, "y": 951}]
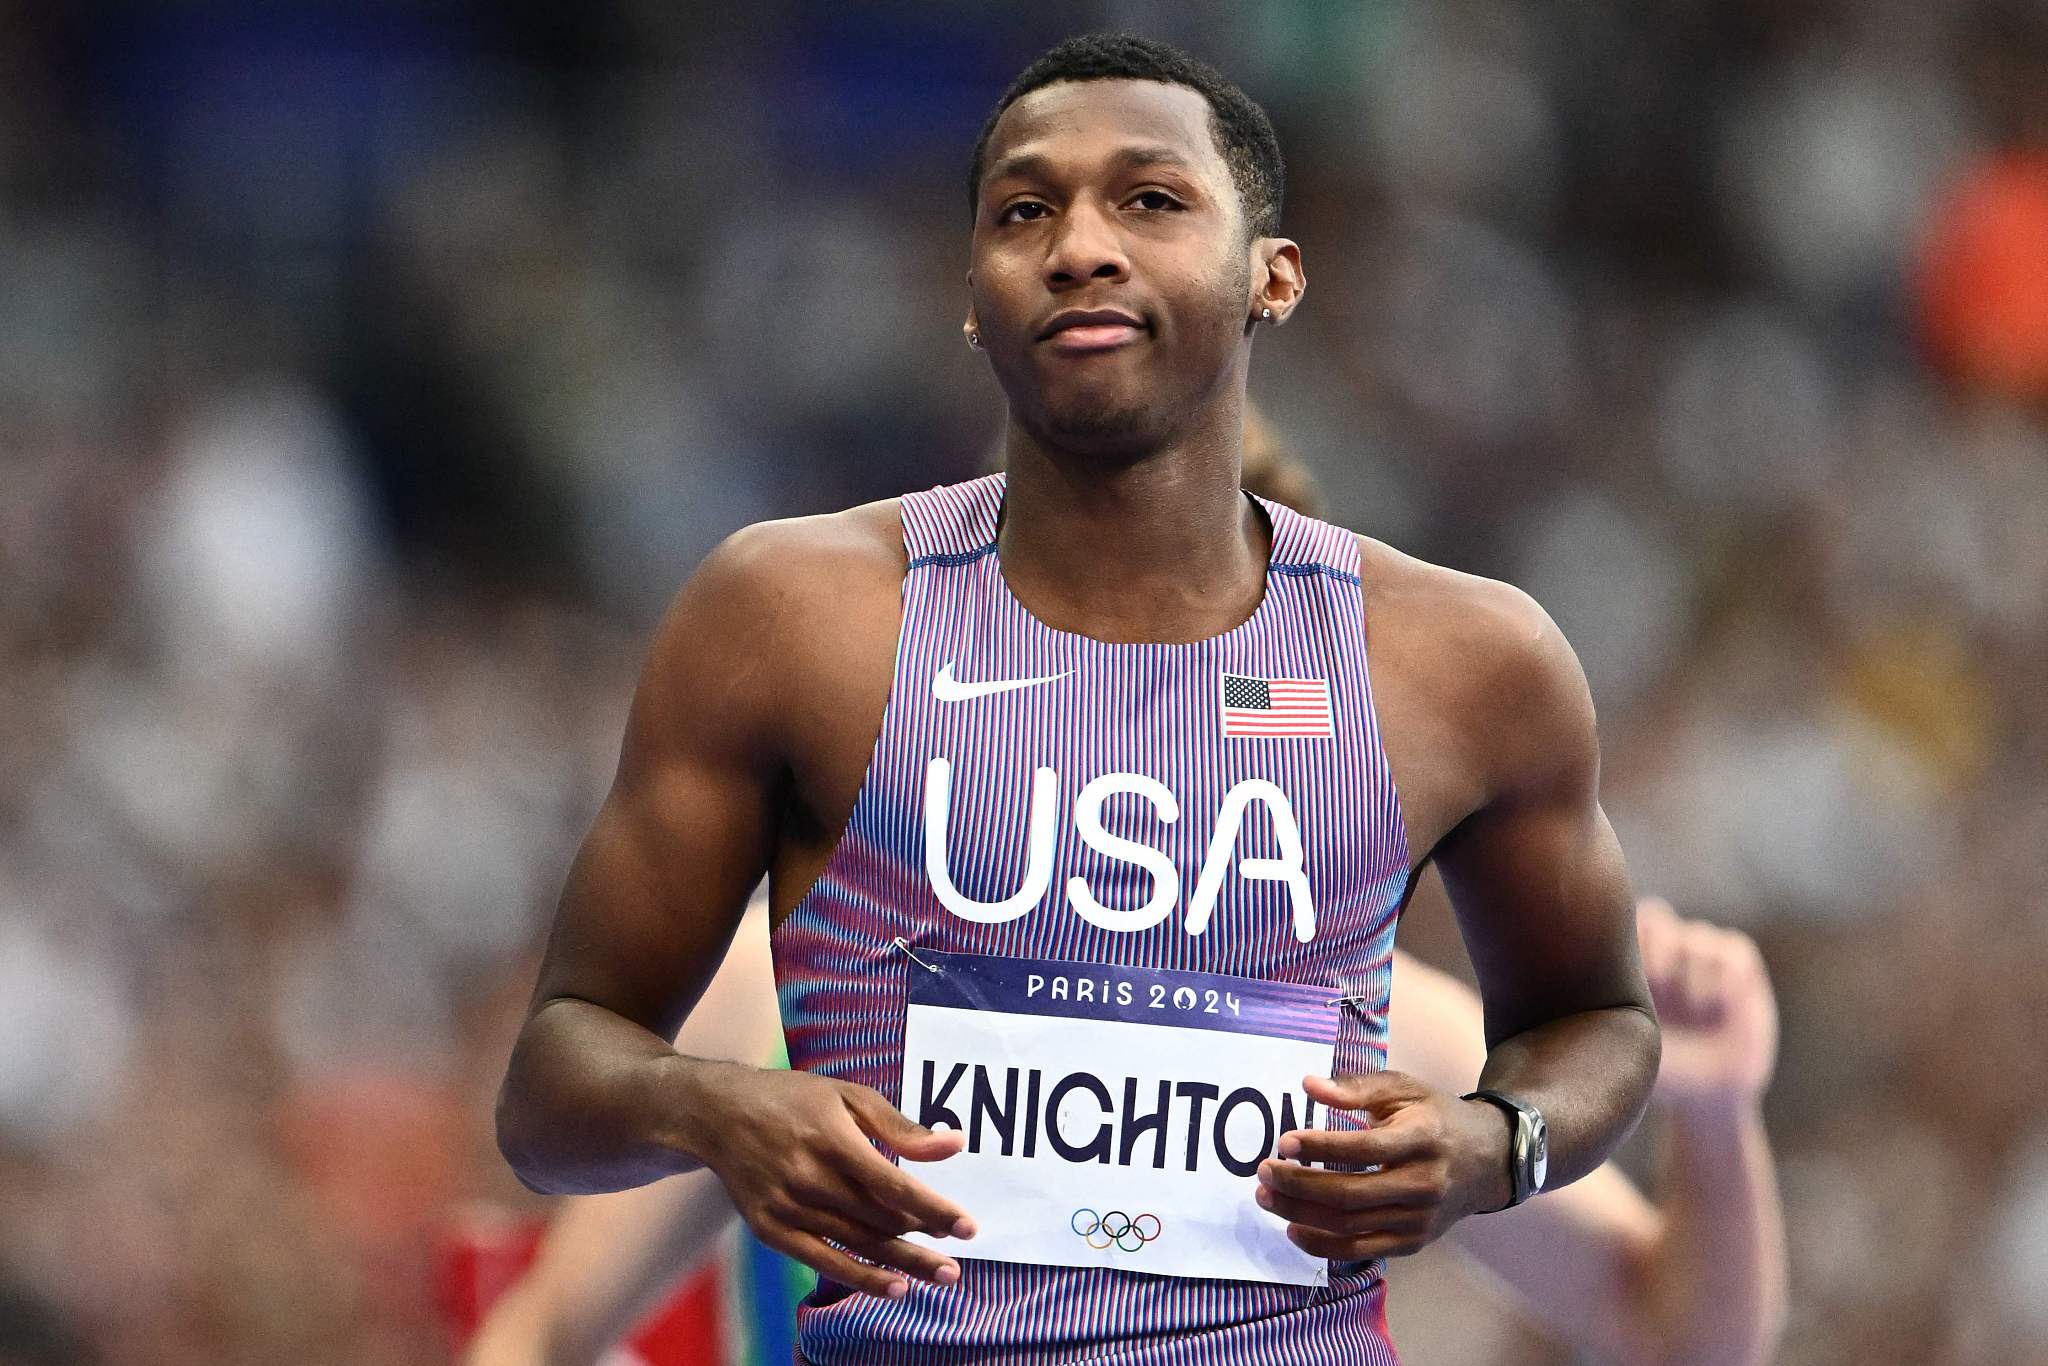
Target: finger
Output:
[
  {"x": 827, "y": 1260},
  {"x": 1703, "y": 980},
  {"x": 1349, "y": 1247},
  {"x": 1655, "y": 910},
  {"x": 1379, "y": 1093},
  {"x": 1747, "y": 974},
  {"x": 1348, "y": 1190},
  {"x": 1745, "y": 952},
  {"x": 1736, "y": 949},
  {"x": 1351, "y": 1222},
  {"x": 828, "y": 1188},
  {"x": 924, "y": 1263},
  {"x": 1389, "y": 1143},
  {"x": 889, "y": 1187},
  {"x": 902, "y": 1135}
]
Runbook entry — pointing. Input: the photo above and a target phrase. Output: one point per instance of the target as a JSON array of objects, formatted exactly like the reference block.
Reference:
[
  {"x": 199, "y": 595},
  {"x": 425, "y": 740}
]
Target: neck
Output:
[{"x": 1157, "y": 545}]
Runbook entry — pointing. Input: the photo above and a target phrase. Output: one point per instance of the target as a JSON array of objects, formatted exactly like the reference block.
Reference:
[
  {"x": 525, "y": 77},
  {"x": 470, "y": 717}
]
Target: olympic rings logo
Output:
[{"x": 1114, "y": 1229}]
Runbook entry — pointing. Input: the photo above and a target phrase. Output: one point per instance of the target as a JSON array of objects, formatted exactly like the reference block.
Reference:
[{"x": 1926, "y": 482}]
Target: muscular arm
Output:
[
  {"x": 653, "y": 895},
  {"x": 1698, "y": 1278},
  {"x": 1541, "y": 893},
  {"x": 735, "y": 753}
]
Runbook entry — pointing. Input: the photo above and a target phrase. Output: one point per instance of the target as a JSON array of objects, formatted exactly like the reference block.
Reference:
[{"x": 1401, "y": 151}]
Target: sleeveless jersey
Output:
[{"x": 1148, "y": 709}]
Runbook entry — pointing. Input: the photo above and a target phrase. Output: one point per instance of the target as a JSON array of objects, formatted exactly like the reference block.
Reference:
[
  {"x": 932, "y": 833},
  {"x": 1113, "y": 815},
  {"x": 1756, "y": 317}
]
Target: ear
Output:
[{"x": 1277, "y": 279}]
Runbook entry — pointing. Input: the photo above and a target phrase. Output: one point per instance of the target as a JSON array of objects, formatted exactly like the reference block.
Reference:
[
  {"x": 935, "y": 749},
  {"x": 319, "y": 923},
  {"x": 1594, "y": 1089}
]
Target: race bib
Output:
[{"x": 1115, "y": 1116}]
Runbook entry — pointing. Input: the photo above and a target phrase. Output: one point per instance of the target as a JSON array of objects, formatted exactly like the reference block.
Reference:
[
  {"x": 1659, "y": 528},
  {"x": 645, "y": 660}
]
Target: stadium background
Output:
[{"x": 371, "y": 372}]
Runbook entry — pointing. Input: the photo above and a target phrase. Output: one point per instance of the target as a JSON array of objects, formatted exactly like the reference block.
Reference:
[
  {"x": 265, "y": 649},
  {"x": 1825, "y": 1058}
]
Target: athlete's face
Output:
[{"x": 1110, "y": 198}]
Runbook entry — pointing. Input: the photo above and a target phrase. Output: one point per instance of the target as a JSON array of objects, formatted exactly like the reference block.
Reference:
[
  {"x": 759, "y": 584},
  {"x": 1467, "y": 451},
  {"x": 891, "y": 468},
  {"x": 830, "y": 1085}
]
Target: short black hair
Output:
[{"x": 1243, "y": 133}]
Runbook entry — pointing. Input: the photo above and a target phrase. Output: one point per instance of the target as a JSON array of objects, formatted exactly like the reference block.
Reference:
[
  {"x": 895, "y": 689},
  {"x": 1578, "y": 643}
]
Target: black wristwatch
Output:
[{"x": 1528, "y": 1148}]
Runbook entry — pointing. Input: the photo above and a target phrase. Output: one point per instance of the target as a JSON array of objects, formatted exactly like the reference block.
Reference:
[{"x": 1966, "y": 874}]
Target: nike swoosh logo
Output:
[{"x": 947, "y": 688}]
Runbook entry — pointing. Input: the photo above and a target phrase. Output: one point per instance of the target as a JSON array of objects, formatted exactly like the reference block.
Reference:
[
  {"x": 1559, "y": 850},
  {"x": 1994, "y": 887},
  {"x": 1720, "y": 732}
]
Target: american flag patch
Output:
[{"x": 1293, "y": 707}]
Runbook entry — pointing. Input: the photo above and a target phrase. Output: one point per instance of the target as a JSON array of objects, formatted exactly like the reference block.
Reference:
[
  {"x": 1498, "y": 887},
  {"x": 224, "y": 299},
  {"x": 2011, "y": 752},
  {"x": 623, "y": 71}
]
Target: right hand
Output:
[{"x": 794, "y": 1154}]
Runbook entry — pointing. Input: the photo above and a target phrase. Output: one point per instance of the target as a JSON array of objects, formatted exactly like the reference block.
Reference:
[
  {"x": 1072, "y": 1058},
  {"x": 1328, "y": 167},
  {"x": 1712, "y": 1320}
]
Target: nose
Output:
[{"x": 1085, "y": 246}]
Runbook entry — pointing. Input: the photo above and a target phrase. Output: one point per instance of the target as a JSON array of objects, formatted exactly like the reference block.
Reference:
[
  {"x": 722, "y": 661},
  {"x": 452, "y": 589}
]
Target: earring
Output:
[
  {"x": 974, "y": 341},
  {"x": 1266, "y": 315}
]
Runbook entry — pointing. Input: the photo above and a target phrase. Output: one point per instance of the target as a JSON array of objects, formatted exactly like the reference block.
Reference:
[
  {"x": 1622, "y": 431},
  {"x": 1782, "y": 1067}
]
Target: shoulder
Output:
[
  {"x": 792, "y": 560},
  {"x": 772, "y": 605},
  {"x": 1484, "y": 620},
  {"x": 789, "y": 572},
  {"x": 1494, "y": 663}
]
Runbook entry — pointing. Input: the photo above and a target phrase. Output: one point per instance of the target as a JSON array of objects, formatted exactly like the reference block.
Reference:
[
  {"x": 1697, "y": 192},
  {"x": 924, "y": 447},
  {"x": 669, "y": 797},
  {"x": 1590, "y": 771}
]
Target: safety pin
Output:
[
  {"x": 904, "y": 944},
  {"x": 1350, "y": 1001}
]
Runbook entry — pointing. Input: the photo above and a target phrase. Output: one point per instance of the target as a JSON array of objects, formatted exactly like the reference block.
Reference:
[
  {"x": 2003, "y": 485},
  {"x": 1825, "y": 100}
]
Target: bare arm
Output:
[
  {"x": 1542, "y": 898},
  {"x": 607, "y": 1261},
  {"x": 1714, "y": 1282},
  {"x": 653, "y": 897},
  {"x": 595, "y": 1099},
  {"x": 1698, "y": 1278}
]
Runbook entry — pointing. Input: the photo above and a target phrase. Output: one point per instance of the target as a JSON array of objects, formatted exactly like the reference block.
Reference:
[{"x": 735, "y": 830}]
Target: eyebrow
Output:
[{"x": 1128, "y": 158}]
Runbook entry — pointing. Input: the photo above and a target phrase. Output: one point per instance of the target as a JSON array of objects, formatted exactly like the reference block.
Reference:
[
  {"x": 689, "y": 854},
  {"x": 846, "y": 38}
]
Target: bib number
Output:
[{"x": 1115, "y": 1116}]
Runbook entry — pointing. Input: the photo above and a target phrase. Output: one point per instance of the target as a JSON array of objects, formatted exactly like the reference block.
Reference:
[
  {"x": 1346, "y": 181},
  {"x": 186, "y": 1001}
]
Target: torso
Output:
[{"x": 852, "y": 871}]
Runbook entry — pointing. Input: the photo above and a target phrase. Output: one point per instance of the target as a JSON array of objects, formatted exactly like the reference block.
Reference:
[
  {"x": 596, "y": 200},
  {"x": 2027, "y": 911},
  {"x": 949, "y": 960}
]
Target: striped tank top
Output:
[{"x": 1157, "y": 710}]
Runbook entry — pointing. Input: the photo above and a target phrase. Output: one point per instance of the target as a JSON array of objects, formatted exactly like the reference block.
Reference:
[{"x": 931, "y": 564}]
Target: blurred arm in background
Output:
[
  {"x": 1698, "y": 1278},
  {"x": 607, "y": 1261}
]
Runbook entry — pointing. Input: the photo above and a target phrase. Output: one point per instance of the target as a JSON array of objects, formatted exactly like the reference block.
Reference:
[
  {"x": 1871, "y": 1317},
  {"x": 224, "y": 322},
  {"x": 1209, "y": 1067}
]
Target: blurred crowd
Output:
[{"x": 371, "y": 373}]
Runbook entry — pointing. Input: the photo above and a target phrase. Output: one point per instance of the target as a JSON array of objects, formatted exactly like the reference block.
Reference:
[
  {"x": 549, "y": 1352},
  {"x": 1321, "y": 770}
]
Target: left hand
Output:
[{"x": 1439, "y": 1159}]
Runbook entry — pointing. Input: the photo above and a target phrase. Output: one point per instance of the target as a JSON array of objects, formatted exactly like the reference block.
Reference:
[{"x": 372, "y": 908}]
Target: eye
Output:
[
  {"x": 1156, "y": 200},
  {"x": 1009, "y": 212}
]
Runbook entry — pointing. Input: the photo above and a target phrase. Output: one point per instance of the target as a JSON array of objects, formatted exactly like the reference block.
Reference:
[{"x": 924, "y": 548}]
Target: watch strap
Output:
[{"x": 1521, "y": 1118}]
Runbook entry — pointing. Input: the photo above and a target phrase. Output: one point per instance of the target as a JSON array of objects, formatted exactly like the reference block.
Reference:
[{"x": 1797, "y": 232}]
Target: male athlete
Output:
[
  {"x": 1027, "y": 756},
  {"x": 1698, "y": 1276}
]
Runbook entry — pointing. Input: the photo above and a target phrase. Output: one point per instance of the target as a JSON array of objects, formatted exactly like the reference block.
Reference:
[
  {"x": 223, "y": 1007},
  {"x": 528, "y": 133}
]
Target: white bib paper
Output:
[{"x": 1115, "y": 1116}]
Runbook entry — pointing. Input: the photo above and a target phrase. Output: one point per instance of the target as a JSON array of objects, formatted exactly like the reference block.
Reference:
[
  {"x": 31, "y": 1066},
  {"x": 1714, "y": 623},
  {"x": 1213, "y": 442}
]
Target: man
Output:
[
  {"x": 1698, "y": 1277},
  {"x": 937, "y": 723}
]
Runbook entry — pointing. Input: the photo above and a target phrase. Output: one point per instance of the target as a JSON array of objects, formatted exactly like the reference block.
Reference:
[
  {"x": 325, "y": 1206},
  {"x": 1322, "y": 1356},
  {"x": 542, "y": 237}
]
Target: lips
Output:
[
  {"x": 1094, "y": 337},
  {"x": 1091, "y": 330}
]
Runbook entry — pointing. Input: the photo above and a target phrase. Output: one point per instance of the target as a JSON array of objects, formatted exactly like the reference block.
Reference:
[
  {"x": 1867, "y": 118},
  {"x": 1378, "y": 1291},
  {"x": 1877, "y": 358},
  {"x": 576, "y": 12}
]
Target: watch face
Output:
[{"x": 1542, "y": 1163}]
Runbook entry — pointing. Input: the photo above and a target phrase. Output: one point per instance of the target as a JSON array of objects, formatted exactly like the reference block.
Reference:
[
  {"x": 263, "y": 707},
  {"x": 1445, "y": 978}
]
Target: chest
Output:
[
  {"x": 1097, "y": 753},
  {"x": 1045, "y": 791}
]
